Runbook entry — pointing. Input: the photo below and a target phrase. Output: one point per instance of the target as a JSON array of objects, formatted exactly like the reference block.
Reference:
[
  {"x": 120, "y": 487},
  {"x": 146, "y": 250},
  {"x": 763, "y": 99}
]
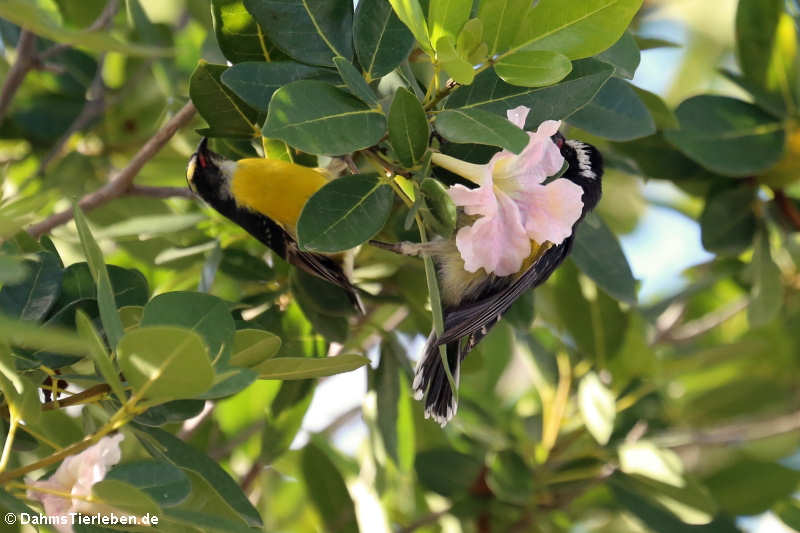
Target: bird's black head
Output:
[
  {"x": 203, "y": 173},
  {"x": 585, "y": 168}
]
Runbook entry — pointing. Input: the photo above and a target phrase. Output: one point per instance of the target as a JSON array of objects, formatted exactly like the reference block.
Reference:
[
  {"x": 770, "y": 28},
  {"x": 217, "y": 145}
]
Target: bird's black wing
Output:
[{"x": 477, "y": 318}]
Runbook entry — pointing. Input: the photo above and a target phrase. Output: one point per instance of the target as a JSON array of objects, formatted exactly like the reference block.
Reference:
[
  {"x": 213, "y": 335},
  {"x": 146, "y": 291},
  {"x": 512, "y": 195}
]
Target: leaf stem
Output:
[{"x": 12, "y": 432}]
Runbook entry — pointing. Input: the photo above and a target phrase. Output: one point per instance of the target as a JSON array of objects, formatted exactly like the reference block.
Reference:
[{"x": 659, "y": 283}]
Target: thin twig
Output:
[
  {"x": 788, "y": 208},
  {"x": 123, "y": 181},
  {"x": 26, "y": 48},
  {"x": 160, "y": 192},
  {"x": 696, "y": 328}
]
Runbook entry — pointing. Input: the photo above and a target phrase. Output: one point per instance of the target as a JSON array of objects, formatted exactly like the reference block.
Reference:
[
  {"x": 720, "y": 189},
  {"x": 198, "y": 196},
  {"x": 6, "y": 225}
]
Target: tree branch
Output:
[
  {"x": 121, "y": 183},
  {"x": 26, "y": 48},
  {"x": 160, "y": 192},
  {"x": 788, "y": 208}
]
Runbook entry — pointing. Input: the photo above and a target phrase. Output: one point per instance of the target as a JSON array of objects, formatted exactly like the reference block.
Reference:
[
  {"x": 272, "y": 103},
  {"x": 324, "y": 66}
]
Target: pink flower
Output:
[
  {"x": 512, "y": 205},
  {"x": 75, "y": 476}
]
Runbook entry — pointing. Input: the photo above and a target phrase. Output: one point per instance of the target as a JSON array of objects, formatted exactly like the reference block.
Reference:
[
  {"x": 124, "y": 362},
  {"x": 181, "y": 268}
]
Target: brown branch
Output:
[
  {"x": 160, "y": 192},
  {"x": 696, "y": 328},
  {"x": 788, "y": 208},
  {"x": 123, "y": 181},
  {"x": 26, "y": 48},
  {"x": 95, "y": 392}
]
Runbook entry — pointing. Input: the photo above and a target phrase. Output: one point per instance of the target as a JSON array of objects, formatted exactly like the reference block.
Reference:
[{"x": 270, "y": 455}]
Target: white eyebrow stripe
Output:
[{"x": 584, "y": 161}]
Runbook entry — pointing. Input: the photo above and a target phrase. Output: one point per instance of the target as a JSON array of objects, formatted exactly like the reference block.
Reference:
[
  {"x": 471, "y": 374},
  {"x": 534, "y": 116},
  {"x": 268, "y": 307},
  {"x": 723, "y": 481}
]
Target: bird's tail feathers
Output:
[{"x": 431, "y": 383}]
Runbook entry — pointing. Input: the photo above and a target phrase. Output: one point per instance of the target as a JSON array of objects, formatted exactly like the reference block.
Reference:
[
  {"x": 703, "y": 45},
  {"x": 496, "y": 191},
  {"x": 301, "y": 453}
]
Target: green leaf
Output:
[
  {"x": 728, "y": 223},
  {"x": 727, "y": 136},
  {"x": 253, "y": 346},
  {"x": 34, "y": 337},
  {"x": 408, "y": 128},
  {"x": 206, "y": 500},
  {"x": 597, "y": 406},
  {"x": 469, "y": 43},
  {"x": 327, "y": 491},
  {"x": 598, "y": 254},
  {"x": 310, "y": 32},
  {"x": 238, "y": 34},
  {"x": 125, "y": 497},
  {"x": 535, "y": 68},
  {"x": 789, "y": 512},
  {"x": 381, "y": 40},
  {"x": 501, "y": 20},
  {"x": 13, "y": 270},
  {"x": 344, "y": 213},
  {"x": 440, "y": 212},
  {"x": 646, "y": 459},
  {"x": 165, "y": 362},
  {"x": 510, "y": 478},
  {"x": 100, "y": 355},
  {"x": 226, "y": 114},
  {"x": 309, "y": 367},
  {"x": 446, "y": 471},
  {"x": 459, "y": 68},
  {"x": 557, "y": 102},
  {"x": 29, "y": 15},
  {"x": 658, "y": 159},
  {"x": 166, "y": 484},
  {"x": 284, "y": 417},
  {"x": 146, "y": 226},
  {"x": 750, "y": 486},
  {"x": 184, "y": 456},
  {"x": 447, "y": 17},
  {"x": 20, "y": 393},
  {"x": 355, "y": 82},
  {"x": 320, "y": 296},
  {"x": 577, "y": 29},
  {"x": 394, "y": 405},
  {"x": 481, "y": 127},
  {"x": 109, "y": 316},
  {"x": 616, "y": 113},
  {"x": 256, "y": 82},
  {"x": 691, "y": 502},
  {"x": 32, "y": 297},
  {"x": 204, "y": 314},
  {"x": 166, "y": 413},
  {"x": 200, "y": 521},
  {"x": 766, "y": 294},
  {"x": 663, "y": 116},
  {"x": 624, "y": 56},
  {"x": 410, "y": 13},
  {"x": 766, "y": 44},
  {"x": 336, "y": 124}
]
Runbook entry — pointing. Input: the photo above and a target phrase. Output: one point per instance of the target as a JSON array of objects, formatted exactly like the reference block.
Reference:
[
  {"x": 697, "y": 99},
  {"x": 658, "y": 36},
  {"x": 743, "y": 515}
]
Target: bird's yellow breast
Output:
[{"x": 275, "y": 188}]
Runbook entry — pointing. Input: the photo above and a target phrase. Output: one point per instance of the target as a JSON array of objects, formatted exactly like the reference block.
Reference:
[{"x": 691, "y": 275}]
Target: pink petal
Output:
[
  {"x": 478, "y": 201},
  {"x": 550, "y": 211},
  {"x": 518, "y": 115},
  {"x": 498, "y": 243}
]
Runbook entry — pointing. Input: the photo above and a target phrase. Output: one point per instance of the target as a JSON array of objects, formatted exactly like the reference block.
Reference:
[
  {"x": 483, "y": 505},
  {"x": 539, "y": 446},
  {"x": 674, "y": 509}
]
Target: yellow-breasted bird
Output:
[
  {"x": 265, "y": 197},
  {"x": 474, "y": 302}
]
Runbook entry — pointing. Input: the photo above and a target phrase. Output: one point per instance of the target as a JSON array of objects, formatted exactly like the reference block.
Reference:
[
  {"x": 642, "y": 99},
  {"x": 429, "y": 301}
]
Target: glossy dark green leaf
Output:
[
  {"x": 169, "y": 412},
  {"x": 766, "y": 294},
  {"x": 381, "y": 40},
  {"x": 624, "y": 56},
  {"x": 480, "y": 127},
  {"x": 751, "y": 486},
  {"x": 616, "y": 113},
  {"x": 166, "y": 484},
  {"x": 728, "y": 223},
  {"x": 345, "y": 213},
  {"x": 310, "y": 32},
  {"x": 228, "y": 382},
  {"x": 227, "y": 115},
  {"x": 598, "y": 254},
  {"x": 165, "y": 362},
  {"x": 185, "y": 456},
  {"x": 323, "y": 297},
  {"x": 308, "y": 367},
  {"x": 658, "y": 159},
  {"x": 204, "y": 314},
  {"x": 533, "y": 68},
  {"x": 336, "y": 124},
  {"x": 112, "y": 325},
  {"x": 239, "y": 36},
  {"x": 327, "y": 491},
  {"x": 447, "y": 472},
  {"x": 557, "y": 102},
  {"x": 255, "y": 82},
  {"x": 32, "y": 297},
  {"x": 727, "y": 136},
  {"x": 408, "y": 128},
  {"x": 577, "y": 30},
  {"x": 355, "y": 82}
]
